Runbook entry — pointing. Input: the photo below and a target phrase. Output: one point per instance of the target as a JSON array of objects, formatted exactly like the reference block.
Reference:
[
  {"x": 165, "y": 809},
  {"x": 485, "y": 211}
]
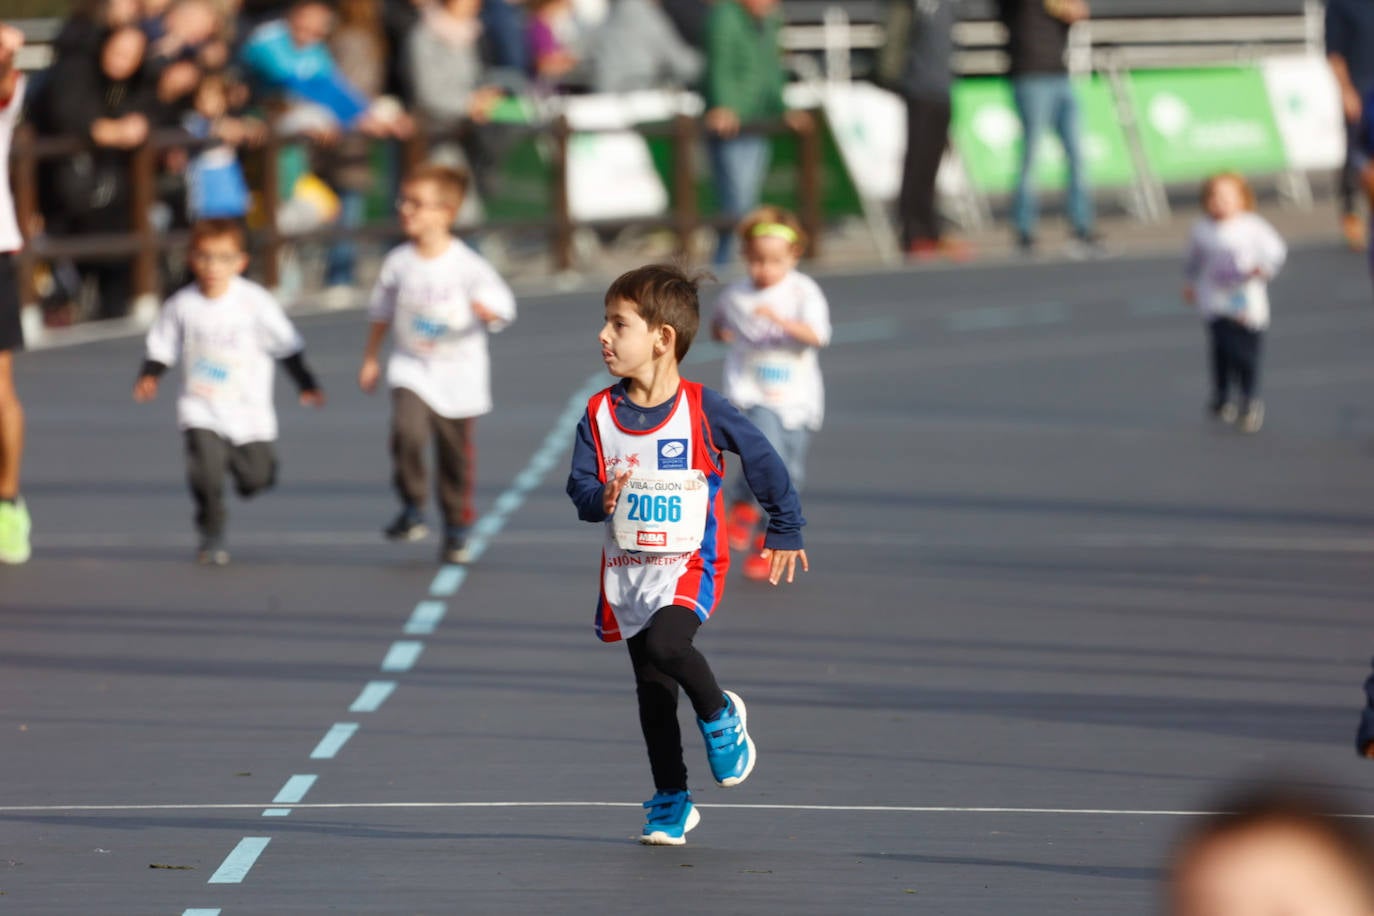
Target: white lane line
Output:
[
  {"x": 840, "y": 809},
  {"x": 402, "y": 655},
  {"x": 200, "y": 911},
  {"x": 333, "y": 740},
  {"x": 426, "y": 616},
  {"x": 373, "y": 695},
  {"x": 240, "y": 860}
]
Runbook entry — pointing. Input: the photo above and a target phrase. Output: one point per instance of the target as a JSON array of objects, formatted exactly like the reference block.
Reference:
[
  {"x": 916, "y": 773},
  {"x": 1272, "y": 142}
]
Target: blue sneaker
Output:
[
  {"x": 729, "y": 749},
  {"x": 671, "y": 815}
]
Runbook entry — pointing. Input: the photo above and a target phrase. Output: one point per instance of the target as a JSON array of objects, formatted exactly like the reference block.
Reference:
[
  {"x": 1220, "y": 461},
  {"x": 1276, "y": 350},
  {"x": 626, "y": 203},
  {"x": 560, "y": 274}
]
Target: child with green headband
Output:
[{"x": 775, "y": 320}]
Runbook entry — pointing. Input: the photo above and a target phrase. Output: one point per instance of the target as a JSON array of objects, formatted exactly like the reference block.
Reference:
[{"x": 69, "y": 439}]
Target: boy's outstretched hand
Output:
[
  {"x": 610, "y": 495},
  {"x": 312, "y": 397},
  {"x": 784, "y": 560}
]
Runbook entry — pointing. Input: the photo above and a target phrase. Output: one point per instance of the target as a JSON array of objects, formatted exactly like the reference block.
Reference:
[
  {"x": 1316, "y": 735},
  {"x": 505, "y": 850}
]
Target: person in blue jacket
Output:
[{"x": 647, "y": 464}]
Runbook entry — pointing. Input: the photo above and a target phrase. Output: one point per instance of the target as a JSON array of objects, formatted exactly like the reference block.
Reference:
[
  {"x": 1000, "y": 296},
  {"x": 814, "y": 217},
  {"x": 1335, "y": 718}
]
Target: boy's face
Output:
[
  {"x": 423, "y": 210},
  {"x": 768, "y": 260},
  {"x": 1276, "y": 870},
  {"x": 627, "y": 341},
  {"x": 216, "y": 261}
]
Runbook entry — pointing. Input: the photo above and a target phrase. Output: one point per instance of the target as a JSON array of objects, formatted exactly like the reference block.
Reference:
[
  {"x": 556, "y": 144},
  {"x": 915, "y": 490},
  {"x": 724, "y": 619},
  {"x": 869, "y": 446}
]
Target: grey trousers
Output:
[
  {"x": 413, "y": 424},
  {"x": 209, "y": 456}
]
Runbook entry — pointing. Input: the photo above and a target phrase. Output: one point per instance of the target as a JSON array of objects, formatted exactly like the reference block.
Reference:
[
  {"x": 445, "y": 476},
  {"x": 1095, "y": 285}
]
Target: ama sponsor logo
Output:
[{"x": 672, "y": 454}]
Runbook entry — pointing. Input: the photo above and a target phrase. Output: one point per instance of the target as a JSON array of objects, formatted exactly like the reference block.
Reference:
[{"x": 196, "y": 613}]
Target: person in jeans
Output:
[
  {"x": 1037, "y": 37},
  {"x": 743, "y": 83}
]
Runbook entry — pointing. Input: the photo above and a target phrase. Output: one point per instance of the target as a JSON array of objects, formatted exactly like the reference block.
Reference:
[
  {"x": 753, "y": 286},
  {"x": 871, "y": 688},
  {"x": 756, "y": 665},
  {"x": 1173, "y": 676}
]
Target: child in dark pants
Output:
[
  {"x": 1233, "y": 253},
  {"x": 647, "y": 462},
  {"x": 225, "y": 331}
]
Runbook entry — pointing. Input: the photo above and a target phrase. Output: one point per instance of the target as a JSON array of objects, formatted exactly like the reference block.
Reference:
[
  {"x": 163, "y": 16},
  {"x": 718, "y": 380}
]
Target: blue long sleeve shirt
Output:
[{"x": 729, "y": 429}]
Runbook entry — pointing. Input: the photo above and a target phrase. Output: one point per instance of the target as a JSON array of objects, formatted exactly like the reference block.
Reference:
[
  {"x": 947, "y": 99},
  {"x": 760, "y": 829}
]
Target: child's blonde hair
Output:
[
  {"x": 773, "y": 222},
  {"x": 1247, "y": 193},
  {"x": 451, "y": 181}
]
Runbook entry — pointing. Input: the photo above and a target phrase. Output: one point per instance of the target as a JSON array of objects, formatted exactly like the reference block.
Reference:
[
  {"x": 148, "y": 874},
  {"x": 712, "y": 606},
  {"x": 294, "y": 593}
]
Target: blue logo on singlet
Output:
[{"x": 672, "y": 454}]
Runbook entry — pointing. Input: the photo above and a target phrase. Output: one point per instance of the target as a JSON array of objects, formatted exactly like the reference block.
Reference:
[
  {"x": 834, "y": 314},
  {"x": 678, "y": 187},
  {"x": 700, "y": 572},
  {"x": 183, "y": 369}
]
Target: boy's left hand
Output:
[
  {"x": 312, "y": 397},
  {"x": 784, "y": 560}
]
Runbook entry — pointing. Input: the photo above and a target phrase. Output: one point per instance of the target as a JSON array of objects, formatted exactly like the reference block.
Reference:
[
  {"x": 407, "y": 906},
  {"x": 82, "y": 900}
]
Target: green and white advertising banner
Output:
[
  {"x": 1307, "y": 108},
  {"x": 987, "y": 133},
  {"x": 1194, "y": 123}
]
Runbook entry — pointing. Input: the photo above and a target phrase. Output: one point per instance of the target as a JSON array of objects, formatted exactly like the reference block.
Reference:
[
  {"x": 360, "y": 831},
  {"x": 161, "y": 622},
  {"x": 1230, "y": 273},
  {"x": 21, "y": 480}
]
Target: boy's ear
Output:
[{"x": 667, "y": 336}]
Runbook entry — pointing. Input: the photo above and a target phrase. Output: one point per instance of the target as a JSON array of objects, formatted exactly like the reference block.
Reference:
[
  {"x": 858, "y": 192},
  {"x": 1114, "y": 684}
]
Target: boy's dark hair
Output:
[
  {"x": 1317, "y": 816},
  {"x": 662, "y": 294},
  {"x": 218, "y": 229},
  {"x": 451, "y": 181}
]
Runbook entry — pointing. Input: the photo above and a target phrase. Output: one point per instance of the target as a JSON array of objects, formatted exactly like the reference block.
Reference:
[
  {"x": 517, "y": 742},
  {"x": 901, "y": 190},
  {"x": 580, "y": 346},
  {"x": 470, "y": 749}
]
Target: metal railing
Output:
[{"x": 144, "y": 245}]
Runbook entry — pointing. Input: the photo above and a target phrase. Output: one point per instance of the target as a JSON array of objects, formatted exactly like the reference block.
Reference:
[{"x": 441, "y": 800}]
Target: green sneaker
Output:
[{"x": 14, "y": 532}]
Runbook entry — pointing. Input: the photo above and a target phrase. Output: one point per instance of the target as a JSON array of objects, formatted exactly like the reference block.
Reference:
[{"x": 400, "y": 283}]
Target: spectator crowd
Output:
[{"x": 351, "y": 77}]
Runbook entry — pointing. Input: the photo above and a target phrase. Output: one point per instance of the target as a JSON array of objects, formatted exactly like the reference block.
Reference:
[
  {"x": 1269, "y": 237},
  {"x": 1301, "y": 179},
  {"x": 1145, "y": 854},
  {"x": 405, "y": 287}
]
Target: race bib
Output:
[
  {"x": 774, "y": 372},
  {"x": 661, "y": 512},
  {"x": 211, "y": 377}
]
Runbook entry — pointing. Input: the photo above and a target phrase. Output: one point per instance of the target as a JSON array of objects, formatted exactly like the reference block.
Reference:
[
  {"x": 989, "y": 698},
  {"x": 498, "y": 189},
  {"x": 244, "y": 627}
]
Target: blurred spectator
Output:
[
  {"x": 1274, "y": 852},
  {"x": 637, "y": 47},
  {"x": 89, "y": 21},
  {"x": 556, "y": 45},
  {"x": 1350, "y": 51},
  {"x": 505, "y": 46},
  {"x": 915, "y": 62},
  {"x": 689, "y": 18},
  {"x": 359, "y": 47},
  {"x": 743, "y": 83},
  {"x": 215, "y": 183},
  {"x": 443, "y": 56},
  {"x": 1037, "y": 37},
  {"x": 111, "y": 101}
]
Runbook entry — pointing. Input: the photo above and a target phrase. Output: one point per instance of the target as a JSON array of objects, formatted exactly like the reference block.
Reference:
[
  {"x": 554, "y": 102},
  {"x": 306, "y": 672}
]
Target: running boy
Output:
[
  {"x": 226, "y": 331},
  {"x": 1233, "y": 253},
  {"x": 443, "y": 299},
  {"x": 647, "y": 463},
  {"x": 775, "y": 320}
]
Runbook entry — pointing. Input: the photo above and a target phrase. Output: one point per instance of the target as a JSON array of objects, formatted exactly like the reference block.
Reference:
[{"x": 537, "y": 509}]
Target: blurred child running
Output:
[
  {"x": 775, "y": 320},
  {"x": 225, "y": 331},
  {"x": 442, "y": 299},
  {"x": 1233, "y": 253},
  {"x": 647, "y": 462}
]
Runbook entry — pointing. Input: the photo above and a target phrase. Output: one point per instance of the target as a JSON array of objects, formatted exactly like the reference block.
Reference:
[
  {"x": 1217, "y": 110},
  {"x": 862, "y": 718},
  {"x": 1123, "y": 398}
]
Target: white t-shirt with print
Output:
[
  {"x": 763, "y": 365},
  {"x": 228, "y": 349},
  {"x": 1222, "y": 255},
  {"x": 10, "y": 239},
  {"x": 439, "y": 346}
]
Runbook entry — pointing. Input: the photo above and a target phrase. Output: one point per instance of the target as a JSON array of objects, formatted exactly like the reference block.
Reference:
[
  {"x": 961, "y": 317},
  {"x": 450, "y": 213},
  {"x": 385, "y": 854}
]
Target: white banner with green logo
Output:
[
  {"x": 987, "y": 133},
  {"x": 1307, "y": 107},
  {"x": 1194, "y": 123}
]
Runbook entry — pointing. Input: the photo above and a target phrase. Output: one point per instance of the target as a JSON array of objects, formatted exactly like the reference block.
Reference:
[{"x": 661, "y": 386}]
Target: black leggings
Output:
[
  {"x": 664, "y": 659},
  {"x": 1235, "y": 352}
]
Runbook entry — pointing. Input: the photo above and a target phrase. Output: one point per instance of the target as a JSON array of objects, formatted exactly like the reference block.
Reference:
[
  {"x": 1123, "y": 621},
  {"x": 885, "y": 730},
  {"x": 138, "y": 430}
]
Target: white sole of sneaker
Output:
[
  {"x": 729, "y": 781},
  {"x": 418, "y": 533},
  {"x": 659, "y": 838}
]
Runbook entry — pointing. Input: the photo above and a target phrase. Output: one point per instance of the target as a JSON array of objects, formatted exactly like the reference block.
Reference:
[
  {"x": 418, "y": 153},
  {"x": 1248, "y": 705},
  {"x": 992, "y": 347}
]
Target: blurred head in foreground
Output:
[{"x": 1275, "y": 853}]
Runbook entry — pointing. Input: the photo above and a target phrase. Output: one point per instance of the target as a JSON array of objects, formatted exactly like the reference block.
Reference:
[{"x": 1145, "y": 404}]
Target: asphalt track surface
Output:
[{"x": 1051, "y": 610}]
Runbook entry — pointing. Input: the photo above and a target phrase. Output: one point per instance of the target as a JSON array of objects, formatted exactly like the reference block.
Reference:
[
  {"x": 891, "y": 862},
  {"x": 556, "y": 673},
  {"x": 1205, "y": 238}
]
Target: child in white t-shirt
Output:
[
  {"x": 441, "y": 299},
  {"x": 225, "y": 331},
  {"x": 775, "y": 321},
  {"x": 1233, "y": 253}
]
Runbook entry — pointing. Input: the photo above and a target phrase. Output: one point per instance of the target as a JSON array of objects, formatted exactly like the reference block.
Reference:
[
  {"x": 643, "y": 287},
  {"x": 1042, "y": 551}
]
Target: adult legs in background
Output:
[
  {"x": 1067, "y": 125},
  {"x": 14, "y": 515},
  {"x": 739, "y": 165},
  {"x": 927, "y": 133},
  {"x": 1034, "y": 96},
  {"x": 342, "y": 257}
]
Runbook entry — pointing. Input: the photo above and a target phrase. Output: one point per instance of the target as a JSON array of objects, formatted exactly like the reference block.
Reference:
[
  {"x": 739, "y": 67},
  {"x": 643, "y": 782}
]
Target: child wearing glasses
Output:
[
  {"x": 226, "y": 331},
  {"x": 774, "y": 320},
  {"x": 441, "y": 299}
]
